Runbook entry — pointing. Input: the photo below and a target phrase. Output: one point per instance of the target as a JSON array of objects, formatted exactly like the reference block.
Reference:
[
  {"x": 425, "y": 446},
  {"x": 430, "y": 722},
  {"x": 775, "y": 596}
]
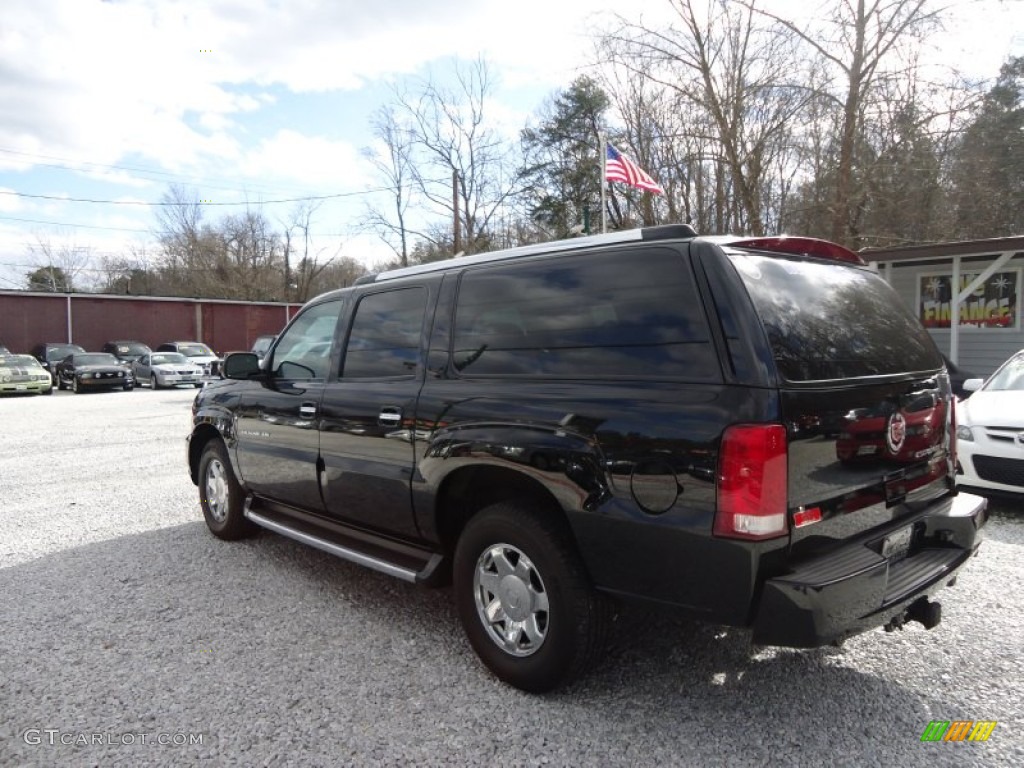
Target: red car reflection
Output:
[{"x": 912, "y": 434}]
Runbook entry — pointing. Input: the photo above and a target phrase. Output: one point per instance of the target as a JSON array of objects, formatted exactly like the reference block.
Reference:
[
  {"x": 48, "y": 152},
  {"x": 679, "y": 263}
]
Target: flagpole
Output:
[{"x": 603, "y": 150}]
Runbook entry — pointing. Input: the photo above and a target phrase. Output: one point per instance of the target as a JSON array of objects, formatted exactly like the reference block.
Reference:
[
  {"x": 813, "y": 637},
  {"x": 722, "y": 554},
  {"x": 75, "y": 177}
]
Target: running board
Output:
[{"x": 331, "y": 548}]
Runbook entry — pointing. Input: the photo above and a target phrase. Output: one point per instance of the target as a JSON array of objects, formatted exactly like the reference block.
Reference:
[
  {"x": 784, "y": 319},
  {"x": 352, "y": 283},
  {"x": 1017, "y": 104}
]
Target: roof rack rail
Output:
[{"x": 662, "y": 232}]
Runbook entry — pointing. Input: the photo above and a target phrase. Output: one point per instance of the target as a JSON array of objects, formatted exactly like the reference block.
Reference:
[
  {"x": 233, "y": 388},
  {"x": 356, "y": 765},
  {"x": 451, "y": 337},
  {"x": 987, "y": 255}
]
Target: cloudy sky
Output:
[{"x": 270, "y": 99}]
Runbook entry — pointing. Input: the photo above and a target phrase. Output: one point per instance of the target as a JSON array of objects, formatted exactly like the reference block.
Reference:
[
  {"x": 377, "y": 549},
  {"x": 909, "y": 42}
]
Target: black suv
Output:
[
  {"x": 126, "y": 351},
  {"x": 646, "y": 415},
  {"x": 52, "y": 353}
]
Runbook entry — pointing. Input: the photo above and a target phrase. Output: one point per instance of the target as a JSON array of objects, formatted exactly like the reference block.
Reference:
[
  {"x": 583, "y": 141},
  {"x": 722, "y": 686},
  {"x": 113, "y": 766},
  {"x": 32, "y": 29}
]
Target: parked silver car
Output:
[{"x": 167, "y": 369}]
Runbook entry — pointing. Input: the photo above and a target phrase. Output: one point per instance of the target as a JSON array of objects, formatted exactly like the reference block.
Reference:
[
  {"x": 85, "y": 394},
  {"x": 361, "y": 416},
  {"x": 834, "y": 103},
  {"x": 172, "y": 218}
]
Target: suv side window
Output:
[
  {"x": 304, "y": 351},
  {"x": 631, "y": 312},
  {"x": 385, "y": 338}
]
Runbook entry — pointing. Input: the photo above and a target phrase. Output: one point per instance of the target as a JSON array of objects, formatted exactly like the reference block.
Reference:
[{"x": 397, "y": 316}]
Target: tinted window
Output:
[
  {"x": 127, "y": 348},
  {"x": 195, "y": 350},
  {"x": 632, "y": 312},
  {"x": 21, "y": 361},
  {"x": 385, "y": 336},
  {"x": 830, "y": 321},
  {"x": 62, "y": 351},
  {"x": 305, "y": 348},
  {"x": 169, "y": 358},
  {"x": 96, "y": 358}
]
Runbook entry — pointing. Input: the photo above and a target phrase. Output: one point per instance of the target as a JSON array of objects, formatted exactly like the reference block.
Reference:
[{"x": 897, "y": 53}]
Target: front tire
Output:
[
  {"x": 220, "y": 495},
  {"x": 75, "y": 386},
  {"x": 524, "y": 597},
  {"x": 153, "y": 383}
]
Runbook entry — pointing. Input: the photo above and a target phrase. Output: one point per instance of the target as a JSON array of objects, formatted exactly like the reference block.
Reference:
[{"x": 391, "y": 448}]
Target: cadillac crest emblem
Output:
[{"x": 896, "y": 433}]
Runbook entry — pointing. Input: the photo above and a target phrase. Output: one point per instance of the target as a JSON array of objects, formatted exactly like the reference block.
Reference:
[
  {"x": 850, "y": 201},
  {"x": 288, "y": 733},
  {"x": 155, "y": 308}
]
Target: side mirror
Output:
[
  {"x": 240, "y": 365},
  {"x": 973, "y": 385}
]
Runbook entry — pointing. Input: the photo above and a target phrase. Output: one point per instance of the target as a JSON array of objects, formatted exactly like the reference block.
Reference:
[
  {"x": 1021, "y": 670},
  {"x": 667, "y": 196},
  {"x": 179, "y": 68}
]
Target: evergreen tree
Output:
[
  {"x": 988, "y": 175},
  {"x": 563, "y": 160}
]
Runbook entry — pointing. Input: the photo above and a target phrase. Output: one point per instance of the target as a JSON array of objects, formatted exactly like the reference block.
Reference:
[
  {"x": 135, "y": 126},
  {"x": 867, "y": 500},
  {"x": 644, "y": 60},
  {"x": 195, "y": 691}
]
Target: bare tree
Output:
[
  {"x": 392, "y": 157},
  {"x": 188, "y": 246},
  {"x": 247, "y": 265},
  {"x": 452, "y": 138},
  {"x": 310, "y": 262},
  {"x": 60, "y": 267},
  {"x": 722, "y": 64},
  {"x": 130, "y": 273},
  {"x": 861, "y": 40}
]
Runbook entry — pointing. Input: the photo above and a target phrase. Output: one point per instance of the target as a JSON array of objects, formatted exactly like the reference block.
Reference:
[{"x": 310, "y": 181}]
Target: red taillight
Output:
[
  {"x": 752, "y": 471},
  {"x": 800, "y": 246}
]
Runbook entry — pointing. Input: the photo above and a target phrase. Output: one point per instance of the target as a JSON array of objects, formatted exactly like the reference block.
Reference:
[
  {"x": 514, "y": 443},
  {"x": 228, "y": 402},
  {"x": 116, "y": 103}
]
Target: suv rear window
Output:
[
  {"x": 629, "y": 313},
  {"x": 831, "y": 321}
]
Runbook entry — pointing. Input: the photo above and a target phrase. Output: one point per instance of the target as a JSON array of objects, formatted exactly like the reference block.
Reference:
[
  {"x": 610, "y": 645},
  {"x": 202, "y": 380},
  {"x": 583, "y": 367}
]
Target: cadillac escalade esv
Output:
[{"x": 754, "y": 431}]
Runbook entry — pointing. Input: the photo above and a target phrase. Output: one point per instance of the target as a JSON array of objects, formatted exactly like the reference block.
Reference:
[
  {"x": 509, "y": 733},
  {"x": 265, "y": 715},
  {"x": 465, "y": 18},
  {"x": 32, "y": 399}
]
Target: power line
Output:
[
  {"x": 78, "y": 226},
  {"x": 72, "y": 225},
  {"x": 70, "y": 164},
  {"x": 192, "y": 202}
]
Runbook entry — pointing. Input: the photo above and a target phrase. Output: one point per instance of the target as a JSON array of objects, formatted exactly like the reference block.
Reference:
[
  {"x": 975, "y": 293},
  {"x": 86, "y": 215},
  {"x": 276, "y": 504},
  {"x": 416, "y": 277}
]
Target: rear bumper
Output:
[{"x": 856, "y": 588}]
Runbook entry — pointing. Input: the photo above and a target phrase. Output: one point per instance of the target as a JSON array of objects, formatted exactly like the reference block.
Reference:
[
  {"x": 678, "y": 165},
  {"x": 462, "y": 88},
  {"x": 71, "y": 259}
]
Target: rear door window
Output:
[
  {"x": 630, "y": 312},
  {"x": 385, "y": 338},
  {"x": 829, "y": 321}
]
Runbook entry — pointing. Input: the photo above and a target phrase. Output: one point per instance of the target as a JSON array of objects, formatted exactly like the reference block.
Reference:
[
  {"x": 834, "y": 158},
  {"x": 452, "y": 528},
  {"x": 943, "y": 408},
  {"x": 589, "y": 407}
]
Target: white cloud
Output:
[
  {"x": 9, "y": 202},
  {"x": 313, "y": 160},
  {"x": 202, "y": 89}
]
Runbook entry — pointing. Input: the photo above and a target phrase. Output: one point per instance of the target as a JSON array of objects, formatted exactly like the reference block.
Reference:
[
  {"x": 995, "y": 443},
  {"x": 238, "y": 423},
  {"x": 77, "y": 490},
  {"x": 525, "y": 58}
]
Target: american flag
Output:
[{"x": 618, "y": 167}]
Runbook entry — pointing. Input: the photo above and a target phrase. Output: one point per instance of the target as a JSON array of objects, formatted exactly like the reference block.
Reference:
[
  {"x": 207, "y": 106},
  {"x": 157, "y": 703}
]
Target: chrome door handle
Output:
[{"x": 307, "y": 411}]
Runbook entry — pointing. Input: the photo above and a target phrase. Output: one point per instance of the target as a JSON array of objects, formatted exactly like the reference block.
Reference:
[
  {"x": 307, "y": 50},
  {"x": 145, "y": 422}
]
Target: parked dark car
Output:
[
  {"x": 85, "y": 371},
  {"x": 51, "y": 353},
  {"x": 196, "y": 352},
  {"x": 957, "y": 377},
  {"x": 126, "y": 351},
  {"x": 261, "y": 346},
  {"x": 646, "y": 415}
]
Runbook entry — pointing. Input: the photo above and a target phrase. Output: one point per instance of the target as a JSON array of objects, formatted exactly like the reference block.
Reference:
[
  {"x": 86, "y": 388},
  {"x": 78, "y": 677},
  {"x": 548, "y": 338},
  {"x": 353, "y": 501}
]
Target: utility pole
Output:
[
  {"x": 456, "y": 229},
  {"x": 287, "y": 275}
]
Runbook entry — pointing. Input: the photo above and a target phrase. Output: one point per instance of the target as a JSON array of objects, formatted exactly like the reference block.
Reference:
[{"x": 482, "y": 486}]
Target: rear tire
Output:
[
  {"x": 58, "y": 383},
  {"x": 524, "y": 597},
  {"x": 220, "y": 495}
]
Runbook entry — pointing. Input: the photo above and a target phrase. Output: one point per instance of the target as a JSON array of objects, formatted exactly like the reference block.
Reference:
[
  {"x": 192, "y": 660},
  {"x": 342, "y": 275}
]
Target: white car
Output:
[
  {"x": 990, "y": 430},
  {"x": 167, "y": 369},
  {"x": 196, "y": 352}
]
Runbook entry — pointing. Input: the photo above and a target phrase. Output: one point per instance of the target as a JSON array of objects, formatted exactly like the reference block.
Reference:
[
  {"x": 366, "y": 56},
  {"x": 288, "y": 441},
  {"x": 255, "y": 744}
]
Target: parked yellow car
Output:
[{"x": 22, "y": 374}]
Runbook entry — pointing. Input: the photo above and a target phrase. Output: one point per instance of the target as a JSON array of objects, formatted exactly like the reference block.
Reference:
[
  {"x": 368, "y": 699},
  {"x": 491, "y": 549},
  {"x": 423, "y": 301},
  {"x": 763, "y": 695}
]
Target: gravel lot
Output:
[{"x": 125, "y": 624}]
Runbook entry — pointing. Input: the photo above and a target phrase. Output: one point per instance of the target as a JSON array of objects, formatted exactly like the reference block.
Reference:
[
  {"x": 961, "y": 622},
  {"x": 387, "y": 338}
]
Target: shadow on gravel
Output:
[{"x": 277, "y": 652}]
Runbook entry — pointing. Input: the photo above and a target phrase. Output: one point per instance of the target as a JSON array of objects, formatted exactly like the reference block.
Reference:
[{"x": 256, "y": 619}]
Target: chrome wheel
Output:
[
  {"x": 215, "y": 488},
  {"x": 511, "y": 600}
]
